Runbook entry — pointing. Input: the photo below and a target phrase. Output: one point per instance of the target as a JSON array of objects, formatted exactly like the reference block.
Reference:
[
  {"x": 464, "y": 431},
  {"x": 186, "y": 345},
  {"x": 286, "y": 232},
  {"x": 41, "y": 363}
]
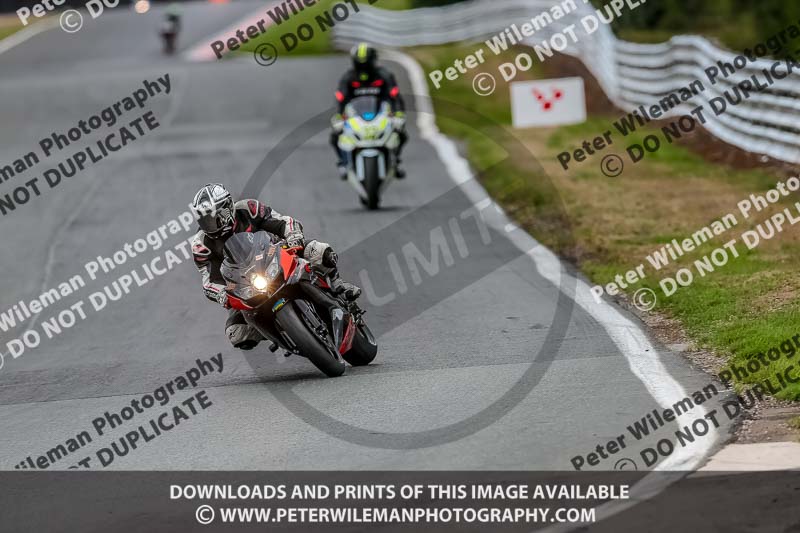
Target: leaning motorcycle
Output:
[
  {"x": 293, "y": 306},
  {"x": 369, "y": 141}
]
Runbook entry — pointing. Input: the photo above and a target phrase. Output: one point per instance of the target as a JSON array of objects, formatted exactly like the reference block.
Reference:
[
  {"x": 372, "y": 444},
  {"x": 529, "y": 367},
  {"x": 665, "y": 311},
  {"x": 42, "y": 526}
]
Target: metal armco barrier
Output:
[{"x": 631, "y": 74}]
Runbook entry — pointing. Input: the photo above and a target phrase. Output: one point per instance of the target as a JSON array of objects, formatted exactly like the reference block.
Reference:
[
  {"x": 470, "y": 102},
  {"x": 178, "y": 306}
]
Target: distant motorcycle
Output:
[
  {"x": 169, "y": 34},
  {"x": 291, "y": 305},
  {"x": 169, "y": 37},
  {"x": 369, "y": 140}
]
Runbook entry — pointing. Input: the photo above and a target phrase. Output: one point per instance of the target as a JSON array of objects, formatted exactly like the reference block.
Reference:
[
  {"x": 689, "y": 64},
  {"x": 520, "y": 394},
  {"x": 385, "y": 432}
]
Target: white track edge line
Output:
[
  {"x": 26, "y": 33},
  {"x": 632, "y": 342}
]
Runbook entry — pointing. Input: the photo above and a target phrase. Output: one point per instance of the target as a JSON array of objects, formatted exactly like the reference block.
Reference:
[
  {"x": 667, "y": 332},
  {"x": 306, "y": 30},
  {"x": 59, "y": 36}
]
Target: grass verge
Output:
[
  {"x": 610, "y": 225},
  {"x": 319, "y": 18},
  {"x": 9, "y": 24}
]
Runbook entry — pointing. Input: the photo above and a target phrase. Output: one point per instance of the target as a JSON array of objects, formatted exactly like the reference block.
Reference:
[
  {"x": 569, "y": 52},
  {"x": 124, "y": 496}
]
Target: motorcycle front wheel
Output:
[
  {"x": 372, "y": 183},
  {"x": 308, "y": 343}
]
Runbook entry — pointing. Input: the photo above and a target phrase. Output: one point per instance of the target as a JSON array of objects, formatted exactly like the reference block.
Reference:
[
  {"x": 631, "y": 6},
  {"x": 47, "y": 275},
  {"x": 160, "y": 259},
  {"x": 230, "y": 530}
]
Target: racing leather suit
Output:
[
  {"x": 377, "y": 82},
  {"x": 251, "y": 216}
]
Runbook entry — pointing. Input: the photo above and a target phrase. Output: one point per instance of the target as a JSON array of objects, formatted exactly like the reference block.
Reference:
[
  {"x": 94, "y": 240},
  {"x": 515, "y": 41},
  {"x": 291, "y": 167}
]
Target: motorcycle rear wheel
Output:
[
  {"x": 308, "y": 344},
  {"x": 364, "y": 348}
]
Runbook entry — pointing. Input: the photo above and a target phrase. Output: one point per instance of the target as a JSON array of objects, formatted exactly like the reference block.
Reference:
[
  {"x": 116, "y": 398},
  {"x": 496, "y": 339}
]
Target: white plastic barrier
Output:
[{"x": 631, "y": 74}]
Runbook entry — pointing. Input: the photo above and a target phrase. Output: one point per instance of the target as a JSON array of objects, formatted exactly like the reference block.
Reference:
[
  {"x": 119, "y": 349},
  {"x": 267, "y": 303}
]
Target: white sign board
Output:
[{"x": 543, "y": 103}]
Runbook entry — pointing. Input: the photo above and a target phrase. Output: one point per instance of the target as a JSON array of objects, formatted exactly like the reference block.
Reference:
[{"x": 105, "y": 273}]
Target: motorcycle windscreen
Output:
[
  {"x": 366, "y": 107},
  {"x": 242, "y": 251}
]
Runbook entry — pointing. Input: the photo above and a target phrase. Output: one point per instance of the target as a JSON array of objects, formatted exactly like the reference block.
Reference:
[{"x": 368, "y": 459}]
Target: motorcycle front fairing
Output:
[
  {"x": 368, "y": 125},
  {"x": 369, "y": 134},
  {"x": 246, "y": 255},
  {"x": 250, "y": 256},
  {"x": 255, "y": 280}
]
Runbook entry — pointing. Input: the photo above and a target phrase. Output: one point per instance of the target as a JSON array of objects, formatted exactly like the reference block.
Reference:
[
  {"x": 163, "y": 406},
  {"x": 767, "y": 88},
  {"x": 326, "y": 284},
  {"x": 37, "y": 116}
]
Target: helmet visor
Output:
[{"x": 215, "y": 224}]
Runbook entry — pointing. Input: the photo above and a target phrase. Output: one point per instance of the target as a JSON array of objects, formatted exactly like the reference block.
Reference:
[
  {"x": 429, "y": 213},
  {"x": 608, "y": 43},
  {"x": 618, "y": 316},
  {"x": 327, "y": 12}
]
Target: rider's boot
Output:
[
  {"x": 243, "y": 336},
  {"x": 339, "y": 286}
]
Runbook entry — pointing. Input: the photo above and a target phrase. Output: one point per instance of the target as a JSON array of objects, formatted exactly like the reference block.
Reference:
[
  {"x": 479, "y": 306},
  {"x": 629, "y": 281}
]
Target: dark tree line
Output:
[
  {"x": 431, "y": 3},
  {"x": 766, "y": 17},
  {"x": 738, "y": 23}
]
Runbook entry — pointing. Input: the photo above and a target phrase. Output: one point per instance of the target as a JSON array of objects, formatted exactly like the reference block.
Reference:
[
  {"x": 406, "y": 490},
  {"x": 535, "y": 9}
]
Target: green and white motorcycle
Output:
[{"x": 369, "y": 141}]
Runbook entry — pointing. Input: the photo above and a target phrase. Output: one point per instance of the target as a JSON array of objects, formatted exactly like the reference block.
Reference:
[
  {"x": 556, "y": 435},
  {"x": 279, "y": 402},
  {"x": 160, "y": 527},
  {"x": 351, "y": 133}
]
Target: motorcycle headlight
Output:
[
  {"x": 259, "y": 282},
  {"x": 274, "y": 269},
  {"x": 246, "y": 292}
]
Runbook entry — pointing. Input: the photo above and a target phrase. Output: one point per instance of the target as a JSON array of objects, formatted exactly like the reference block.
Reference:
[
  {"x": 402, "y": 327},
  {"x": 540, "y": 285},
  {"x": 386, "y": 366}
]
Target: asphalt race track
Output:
[{"x": 451, "y": 348}]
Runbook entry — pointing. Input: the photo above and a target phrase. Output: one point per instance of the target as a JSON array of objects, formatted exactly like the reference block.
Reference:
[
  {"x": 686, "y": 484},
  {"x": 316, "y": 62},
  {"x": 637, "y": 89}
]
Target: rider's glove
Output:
[
  {"x": 295, "y": 240},
  {"x": 222, "y": 299},
  {"x": 337, "y": 122}
]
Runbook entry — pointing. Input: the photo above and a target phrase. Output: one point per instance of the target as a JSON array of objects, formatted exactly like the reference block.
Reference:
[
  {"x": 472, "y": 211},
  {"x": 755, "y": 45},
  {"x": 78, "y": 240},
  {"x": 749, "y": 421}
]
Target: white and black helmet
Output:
[{"x": 213, "y": 208}]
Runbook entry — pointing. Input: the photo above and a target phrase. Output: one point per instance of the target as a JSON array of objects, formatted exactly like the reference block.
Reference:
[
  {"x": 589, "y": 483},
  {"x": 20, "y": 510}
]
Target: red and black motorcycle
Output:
[{"x": 293, "y": 306}]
